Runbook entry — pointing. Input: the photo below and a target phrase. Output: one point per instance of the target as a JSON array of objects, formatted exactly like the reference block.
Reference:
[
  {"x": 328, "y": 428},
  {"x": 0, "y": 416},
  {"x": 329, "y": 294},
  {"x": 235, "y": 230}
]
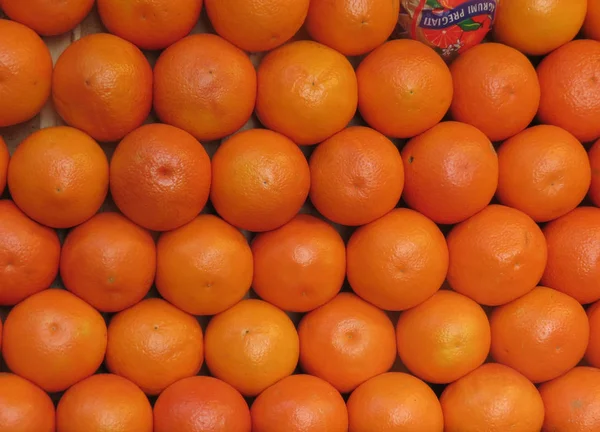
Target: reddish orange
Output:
[
  {"x": 592, "y": 354},
  {"x": 594, "y": 158},
  {"x": 4, "y": 158},
  {"x": 591, "y": 25},
  {"x": 25, "y": 407}
]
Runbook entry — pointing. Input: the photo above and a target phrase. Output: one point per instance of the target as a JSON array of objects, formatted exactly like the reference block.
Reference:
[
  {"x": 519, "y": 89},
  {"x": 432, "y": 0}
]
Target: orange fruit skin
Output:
[
  {"x": 104, "y": 402},
  {"x": 496, "y": 256},
  {"x": 592, "y": 354},
  {"x": 444, "y": 338},
  {"x": 570, "y": 97},
  {"x": 591, "y": 25},
  {"x": 500, "y": 101},
  {"x": 30, "y": 255},
  {"x": 536, "y": 27},
  {"x": 109, "y": 262},
  {"x": 26, "y": 73},
  {"x": 160, "y": 177},
  {"x": 257, "y": 25},
  {"x": 450, "y": 172},
  {"x": 205, "y": 86},
  {"x": 58, "y": 176},
  {"x": 541, "y": 335},
  {"x": 571, "y": 401},
  {"x": 4, "y": 158},
  {"x": 251, "y": 346},
  {"x": 346, "y": 341},
  {"x": 153, "y": 344},
  {"x": 493, "y": 398},
  {"x": 393, "y": 402},
  {"x": 544, "y": 172},
  {"x": 260, "y": 180},
  {"x": 25, "y": 407},
  {"x": 350, "y": 27},
  {"x": 594, "y": 158},
  {"x": 299, "y": 266},
  {"x": 102, "y": 84},
  {"x": 54, "y": 339},
  {"x": 201, "y": 404},
  {"x": 306, "y": 91},
  {"x": 397, "y": 261},
  {"x": 150, "y": 24},
  {"x": 299, "y": 403},
  {"x": 573, "y": 253},
  {"x": 204, "y": 267},
  {"x": 404, "y": 88},
  {"x": 356, "y": 176}
]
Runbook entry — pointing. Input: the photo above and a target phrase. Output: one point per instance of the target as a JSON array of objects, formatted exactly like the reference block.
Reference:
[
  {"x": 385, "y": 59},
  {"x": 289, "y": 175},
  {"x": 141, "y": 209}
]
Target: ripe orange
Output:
[
  {"x": 356, "y": 176},
  {"x": 204, "y": 267},
  {"x": 153, "y": 344},
  {"x": 26, "y": 73},
  {"x": 500, "y": 100},
  {"x": 299, "y": 266},
  {"x": 306, "y": 91},
  {"x": 257, "y": 25},
  {"x": 404, "y": 88},
  {"x": 104, "y": 402},
  {"x": 260, "y": 180},
  {"x": 496, "y": 256},
  {"x": 251, "y": 346},
  {"x": 58, "y": 176},
  {"x": 346, "y": 342},
  {"x": 29, "y": 254},
  {"x": 494, "y": 398},
  {"x": 201, "y": 404},
  {"x": 54, "y": 339},
  {"x": 594, "y": 158},
  {"x": 109, "y": 262},
  {"x": 393, "y": 402},
  {"x": 205, "y": 86},
  {"x": 592, "y": 355},
  {"x": 4, "y": 158},
  {"x": 25, "y": 407},
  {"x": 160, "y": 177},
  {"x": 102, "y": 85},
  {"x": 451, "y": 172},
  {"x": 591, "y": 25}
]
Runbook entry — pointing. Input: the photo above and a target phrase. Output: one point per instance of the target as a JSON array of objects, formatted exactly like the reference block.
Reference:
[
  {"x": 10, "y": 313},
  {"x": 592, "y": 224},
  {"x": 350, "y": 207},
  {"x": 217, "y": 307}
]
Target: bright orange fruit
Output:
[{"x": 25, "y": 407}]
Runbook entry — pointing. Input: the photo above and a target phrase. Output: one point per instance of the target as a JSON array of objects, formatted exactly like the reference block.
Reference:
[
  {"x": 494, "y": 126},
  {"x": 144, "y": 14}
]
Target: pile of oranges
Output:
[{"x": 291, "y": 220}]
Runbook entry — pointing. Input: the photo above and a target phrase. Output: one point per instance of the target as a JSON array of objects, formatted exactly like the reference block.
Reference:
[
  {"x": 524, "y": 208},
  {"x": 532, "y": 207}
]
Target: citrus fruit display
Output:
[{"x": 25, "y": 406}]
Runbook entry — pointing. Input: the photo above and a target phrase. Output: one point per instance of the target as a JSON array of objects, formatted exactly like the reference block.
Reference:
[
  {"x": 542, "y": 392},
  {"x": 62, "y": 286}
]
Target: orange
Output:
[
  {"x": 404, "y": 88},
  {"x": 153, "y": 344},
  {"x": 251, "y": 346},
  {"x": 592, "y": 355},
  {"x": 500, "y": 100},
  {"x": 150, "y": 24},
  {"x": 444, "y": 338},
  {"x": 58, "y": 176},
  {"x": 104, "y": 402},
  {"x": 29, "y": 254},
  {"x": 299, "y": 266},
  {"x": 201, "y": 404},
  {"x": 350, "y": 27},
  {"x": 109, "y": 262},
  {"x": 26, "y": 73},
  {"x": 544, "y": 172},
  {"x": 496, "y": 256},
  {"x": 298, "y": 403},
  {"x": 260, "y": 180},
  {"x": 257, "y": 25},
  {"x": 102, "y": 85},
  {"x": 542, "y": 334},
  {"x": 570, "y": 82},
  {"x": 4, "y": 158},
  {"x": 397, "y": 261},
  {"x": 356, "y": 176},
  {"x": 54, "y": 339},
  {"x": 571, "y": 401},
  {"x": 393, "y": 402},
  {"x": 204, "y": 267},
  {"x": 450, "y": 171},
  {"x": 536, "y": 27},
  {"x": 25, "y": 407},
  {"x": 591, "y": 25},
  {"x": 306, "y": 91},
  {"x": 160, "y": 177},
  {"x": 494, "y": 398},
  {"x": 574, "y": 254},
  {"x": 346, "y": 341},
  {"x": 594, "y": 158},
  {"x": 205, "y": 86}
]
